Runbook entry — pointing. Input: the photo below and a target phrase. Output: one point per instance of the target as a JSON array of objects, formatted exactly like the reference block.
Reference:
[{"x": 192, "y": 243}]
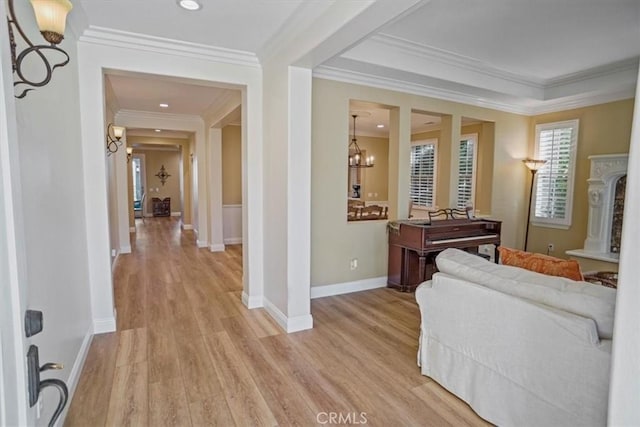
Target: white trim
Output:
[
  {"x": 232, "y": 206},
  {"x": 233, "y": 241},
  {"x": 463, "y": 95},
  {"x": 100, "y": 326},
  {"x": 348, "y": 287},
  {"x": 132, "y": 229},
  {"x": 202, "y": 243},
  {"x": 125, "y": 249},
  {"x": 216, "y": 248},
  {"x": 187, "y": 227},
  {"x": 253, "y": 301},
  {"x": 289, "y": 324},
  {"x": 422, "y": 89},
  {"x": 607, "y": 256},
  {"x": 176, "y": 213},
  {"x": 130, "y": 40},
  {"x": 76, "y": 370}
]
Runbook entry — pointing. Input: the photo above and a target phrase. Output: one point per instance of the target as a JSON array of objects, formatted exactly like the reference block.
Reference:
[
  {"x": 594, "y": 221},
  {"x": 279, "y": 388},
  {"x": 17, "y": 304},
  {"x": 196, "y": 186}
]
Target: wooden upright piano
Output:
[{"x": 413, "y": 245}]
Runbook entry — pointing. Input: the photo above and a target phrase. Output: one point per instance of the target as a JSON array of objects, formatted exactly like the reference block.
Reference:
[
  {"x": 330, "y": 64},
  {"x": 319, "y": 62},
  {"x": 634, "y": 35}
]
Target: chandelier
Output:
[{"x": 356, "y": 159}]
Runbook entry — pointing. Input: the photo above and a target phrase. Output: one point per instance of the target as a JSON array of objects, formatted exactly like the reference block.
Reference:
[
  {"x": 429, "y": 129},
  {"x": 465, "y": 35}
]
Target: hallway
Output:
[{"x": 187, "y": 352}]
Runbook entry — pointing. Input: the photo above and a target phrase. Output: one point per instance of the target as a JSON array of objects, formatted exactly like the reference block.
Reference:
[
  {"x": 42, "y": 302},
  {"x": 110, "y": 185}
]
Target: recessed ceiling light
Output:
[
  {"x": 163, "y": 105},
  {"x": 158, "y": 130},
  {"x": 190, "y": 4},
  {"x": 380, "y": 126}
]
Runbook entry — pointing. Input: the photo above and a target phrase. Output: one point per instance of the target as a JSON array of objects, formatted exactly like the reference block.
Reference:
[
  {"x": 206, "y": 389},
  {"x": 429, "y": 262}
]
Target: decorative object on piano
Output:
[
  {"x": 163, "y": 175},
  {"x": 355, "y": 154},
  {"x": 51, "y": 16},
  {"x": 413, "y": 244},
  {"x": 450, "y": 213},
  {"x": 114, "y": 142},
  {"x": 533, "y": 165},
  {"x": 545, "y": 264}
]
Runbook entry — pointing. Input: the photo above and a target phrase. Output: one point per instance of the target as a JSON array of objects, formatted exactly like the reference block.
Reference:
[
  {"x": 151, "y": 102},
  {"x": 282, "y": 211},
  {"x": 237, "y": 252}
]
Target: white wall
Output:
[
  {"x": 52, "y": 192},
  {"x": 13, "y": 291},
  {"x": 625, "y": 373}
]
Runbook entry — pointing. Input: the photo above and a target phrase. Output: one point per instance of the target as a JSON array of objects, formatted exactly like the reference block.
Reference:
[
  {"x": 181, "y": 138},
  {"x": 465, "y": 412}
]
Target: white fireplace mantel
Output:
[{"x": 605, "y": 172}]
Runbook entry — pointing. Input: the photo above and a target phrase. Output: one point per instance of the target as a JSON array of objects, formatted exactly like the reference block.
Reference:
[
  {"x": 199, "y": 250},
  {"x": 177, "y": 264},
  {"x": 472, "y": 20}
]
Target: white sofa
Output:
[{"x": 521, "y": 348}]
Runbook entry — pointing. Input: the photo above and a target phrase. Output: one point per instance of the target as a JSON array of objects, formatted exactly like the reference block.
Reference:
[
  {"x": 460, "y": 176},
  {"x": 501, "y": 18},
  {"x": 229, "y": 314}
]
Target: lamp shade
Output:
[
  {"x": 51, "y": 16},
  {"x": 118, "y": 131},
  {"x": 534, "y": 164},
  {"x": 129, "y": 150}
]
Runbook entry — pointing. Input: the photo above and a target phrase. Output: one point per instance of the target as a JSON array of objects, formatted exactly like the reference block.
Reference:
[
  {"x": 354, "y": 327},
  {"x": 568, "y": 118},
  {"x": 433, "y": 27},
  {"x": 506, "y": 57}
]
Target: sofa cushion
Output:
[
  {"x": 582, "y": 298},
  {"x": 544, "y": 264}
]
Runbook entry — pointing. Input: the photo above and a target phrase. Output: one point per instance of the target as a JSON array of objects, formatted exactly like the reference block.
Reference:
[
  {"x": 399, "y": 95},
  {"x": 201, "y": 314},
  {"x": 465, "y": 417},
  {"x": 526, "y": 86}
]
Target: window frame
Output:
[
  {"x": 428, "y": 141},
  {"x": 561, "y": 223},
  {"x": 474, "y": 169}
]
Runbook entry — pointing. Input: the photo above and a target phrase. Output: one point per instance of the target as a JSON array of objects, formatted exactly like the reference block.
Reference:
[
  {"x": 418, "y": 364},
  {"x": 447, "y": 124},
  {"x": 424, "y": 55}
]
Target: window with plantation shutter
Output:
[
  {"x": 467, "y": 171},
  {"x": 423, "y": 173},
  {"x": 553, "y": 190}
]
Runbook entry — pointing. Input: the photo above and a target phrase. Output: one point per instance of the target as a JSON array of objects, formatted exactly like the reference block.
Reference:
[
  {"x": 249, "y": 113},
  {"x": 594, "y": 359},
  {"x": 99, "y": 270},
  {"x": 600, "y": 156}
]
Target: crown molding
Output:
[
  {"x": 125, "y": 39},
  {"x": 527, "y": 107},
  {"x": 383, "y": 82},
  {"x": 458, "y": 61},
  {"x": 607, "y": 70}
]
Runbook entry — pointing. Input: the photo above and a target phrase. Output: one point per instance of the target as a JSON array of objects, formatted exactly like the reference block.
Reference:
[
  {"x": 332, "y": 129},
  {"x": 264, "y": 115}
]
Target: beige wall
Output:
[
  {"x": 181, "y": 199},
  {"x": 231, "y": 165},
  {"x": 375, "y": 179},
  {"x": 604, "y": 129},
  {"x": 154, "y": 160},
  {"x": 334, "y": 242},
  {"x": 484, "y": 164}
]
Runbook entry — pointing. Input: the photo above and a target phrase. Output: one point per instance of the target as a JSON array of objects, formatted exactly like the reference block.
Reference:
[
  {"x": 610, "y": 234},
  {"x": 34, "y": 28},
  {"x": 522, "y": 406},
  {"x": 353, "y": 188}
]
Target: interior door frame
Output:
[{"x": 143, "y": 174}]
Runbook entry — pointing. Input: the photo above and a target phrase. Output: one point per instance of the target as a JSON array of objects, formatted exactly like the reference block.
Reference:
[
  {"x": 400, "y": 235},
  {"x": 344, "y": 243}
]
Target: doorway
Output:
[{"x": 138, "y": 175}]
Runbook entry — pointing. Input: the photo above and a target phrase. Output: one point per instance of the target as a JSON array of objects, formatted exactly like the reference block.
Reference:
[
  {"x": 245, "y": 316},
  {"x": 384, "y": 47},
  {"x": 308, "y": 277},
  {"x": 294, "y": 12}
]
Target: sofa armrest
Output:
[{"x": 546, "y": 351}]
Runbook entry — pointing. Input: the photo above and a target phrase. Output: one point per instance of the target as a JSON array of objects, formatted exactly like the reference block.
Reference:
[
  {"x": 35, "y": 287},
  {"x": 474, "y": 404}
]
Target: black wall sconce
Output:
[
  {"x": 51, "y": 16},
  {"x": 114, "y": 136}
]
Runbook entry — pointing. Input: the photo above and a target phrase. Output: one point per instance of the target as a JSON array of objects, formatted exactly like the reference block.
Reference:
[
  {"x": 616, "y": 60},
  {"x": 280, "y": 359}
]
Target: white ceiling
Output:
[
  {"x": 244, "y": 25},
  {"x": 514, "y": 55}
]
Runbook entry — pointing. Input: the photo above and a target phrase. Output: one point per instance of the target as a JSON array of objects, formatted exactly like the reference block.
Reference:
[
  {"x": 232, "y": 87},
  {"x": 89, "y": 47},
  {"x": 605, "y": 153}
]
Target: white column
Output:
[
  {"x": 122, "y": 194},
  {"x": 299, "y": 201},
  {"x": 216, "y": 241}
]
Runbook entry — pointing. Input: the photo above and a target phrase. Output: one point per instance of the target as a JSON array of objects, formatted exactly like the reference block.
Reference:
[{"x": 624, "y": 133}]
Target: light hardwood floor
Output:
[{"x": 187, "y": 352}]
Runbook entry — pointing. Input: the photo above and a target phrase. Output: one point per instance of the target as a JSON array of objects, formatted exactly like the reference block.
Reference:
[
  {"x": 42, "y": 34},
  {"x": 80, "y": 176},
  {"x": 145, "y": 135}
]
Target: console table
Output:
[{"x": 161, "y": 207}]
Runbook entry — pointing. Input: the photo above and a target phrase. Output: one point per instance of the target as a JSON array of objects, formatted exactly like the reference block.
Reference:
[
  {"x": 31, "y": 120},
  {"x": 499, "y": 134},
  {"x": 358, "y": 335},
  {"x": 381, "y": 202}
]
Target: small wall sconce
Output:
[
  {"x": 51, "y": 16},
  {"x": 129, "y": 153},
  {"x": 113, "y": 142}
]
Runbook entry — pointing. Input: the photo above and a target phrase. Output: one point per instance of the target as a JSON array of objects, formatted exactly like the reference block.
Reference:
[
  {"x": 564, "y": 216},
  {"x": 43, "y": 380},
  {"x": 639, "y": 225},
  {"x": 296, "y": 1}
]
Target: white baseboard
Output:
[
  {"x": 348, "y": 287},
  {"x": 101, "y": 326},
  {"x": 176, "y": 213},
  {"x": 289, "y": 324},
  {"x": 252, "y": 302},
  {"x": 187, "y": 227},
  {"x": 233, "y": 240},
  {"x": 125, "y": 249},
  {"x": 202, "y": 243},
  {"x": 217, "y": 248},
  {"x": 132, "y": 229},
  {"x": 76, "y": 370}
]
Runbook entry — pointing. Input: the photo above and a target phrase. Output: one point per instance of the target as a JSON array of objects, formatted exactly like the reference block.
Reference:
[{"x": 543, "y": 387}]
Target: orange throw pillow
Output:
[{"x": 544, "y": 264}]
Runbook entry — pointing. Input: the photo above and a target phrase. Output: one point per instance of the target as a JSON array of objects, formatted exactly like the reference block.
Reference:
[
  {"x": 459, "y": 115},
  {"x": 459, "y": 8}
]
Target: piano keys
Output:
[{"x": 414, "y": 244}]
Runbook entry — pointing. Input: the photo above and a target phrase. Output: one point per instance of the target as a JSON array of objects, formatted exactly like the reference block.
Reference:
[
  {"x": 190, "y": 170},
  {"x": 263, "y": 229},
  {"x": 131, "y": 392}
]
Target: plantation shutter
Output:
[
  {"x": 466, "y": 163},
  {"x": 422, "y": 174},
  {"x": 554, "y": 180}
]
